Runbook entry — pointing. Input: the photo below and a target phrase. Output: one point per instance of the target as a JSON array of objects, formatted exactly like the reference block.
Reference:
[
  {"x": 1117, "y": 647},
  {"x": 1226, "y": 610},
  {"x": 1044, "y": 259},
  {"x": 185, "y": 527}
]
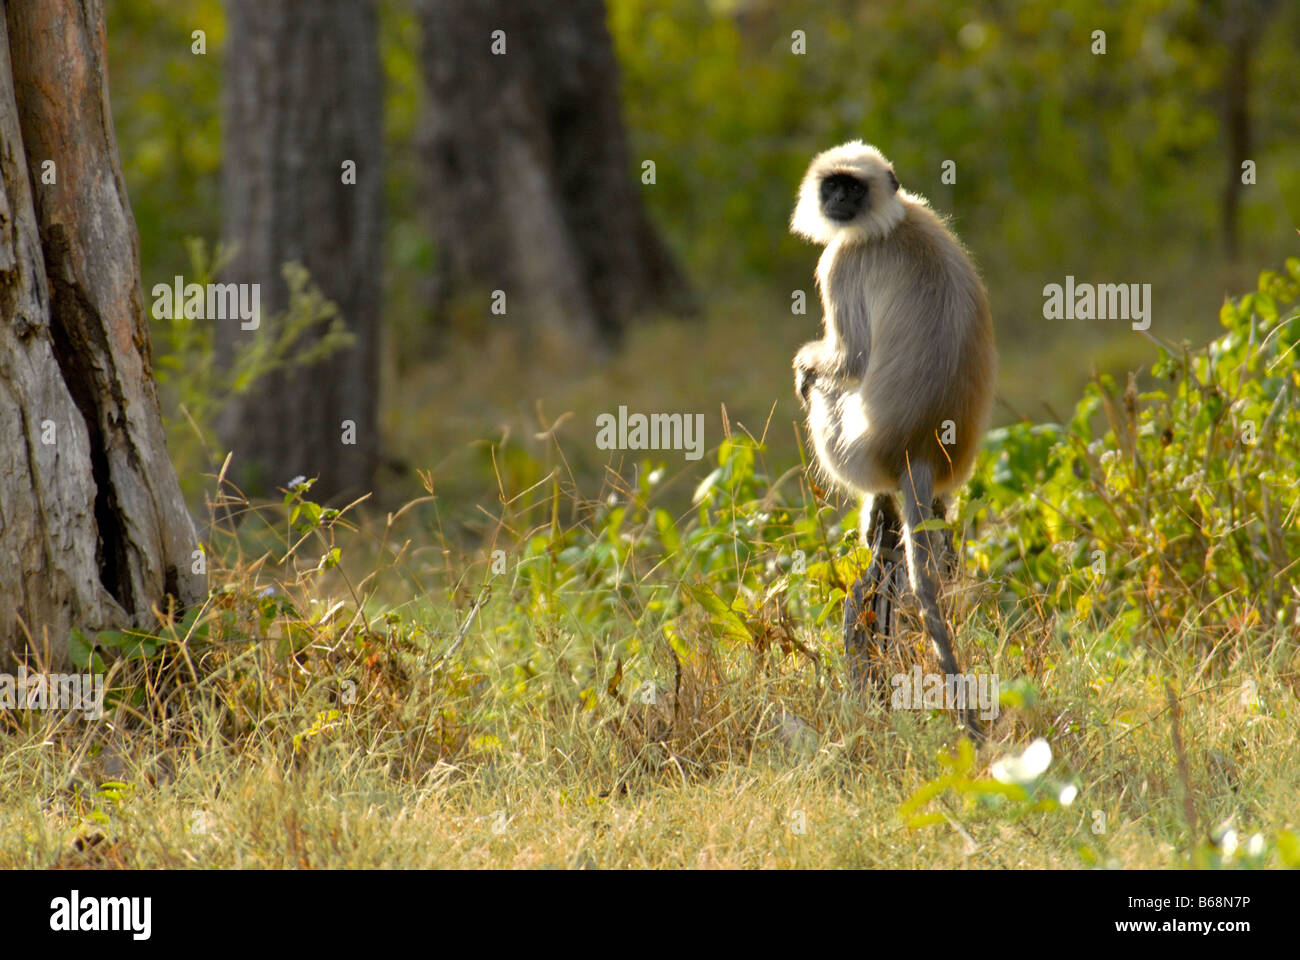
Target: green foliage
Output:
[
  {"x": 1180, "y": 509},
  {"x": 745, "y": 541},
  {"x": 167, "y": 118},
  {"x": 193, "y": 381},
  {"x": 1010, "y": 798},
  {"x": 622, "y": 648},
  {"x": 1062, "y": 155},
  {"x": 1229, "y": 851},
  {"x": 1065, "y": 161}
]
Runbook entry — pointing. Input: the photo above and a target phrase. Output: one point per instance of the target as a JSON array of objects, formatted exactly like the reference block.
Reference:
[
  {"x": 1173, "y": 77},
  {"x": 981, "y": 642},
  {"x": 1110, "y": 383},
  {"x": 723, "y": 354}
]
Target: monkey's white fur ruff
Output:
[{"x": 869, "y": 165}]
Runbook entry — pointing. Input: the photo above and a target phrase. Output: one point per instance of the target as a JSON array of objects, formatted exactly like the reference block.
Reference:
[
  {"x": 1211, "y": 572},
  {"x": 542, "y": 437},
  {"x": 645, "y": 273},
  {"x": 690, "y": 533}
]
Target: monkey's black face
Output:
[{"x": 842, "y": 196}]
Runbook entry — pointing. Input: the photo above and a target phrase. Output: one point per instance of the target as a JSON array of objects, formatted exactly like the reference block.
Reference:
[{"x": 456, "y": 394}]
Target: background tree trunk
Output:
[
  {"x": 93, "y": 530},
  {"x": 531, "y": 187},
  {"x": 1241, "y": 24},
  {"x": 303, "y": 95}
]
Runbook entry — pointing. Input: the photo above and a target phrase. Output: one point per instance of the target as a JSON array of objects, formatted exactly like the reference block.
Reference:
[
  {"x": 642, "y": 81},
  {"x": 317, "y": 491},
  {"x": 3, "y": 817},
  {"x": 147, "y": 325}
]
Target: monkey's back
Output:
[{"x": 931, "y": 362}]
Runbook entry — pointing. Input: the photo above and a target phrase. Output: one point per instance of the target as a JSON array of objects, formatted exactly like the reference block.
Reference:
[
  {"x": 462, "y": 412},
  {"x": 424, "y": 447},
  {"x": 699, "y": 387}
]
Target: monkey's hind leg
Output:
[
  {"x": 870, "y": 603},
  {"x": 924, "y": 556},
  {"x": 947, "y": 562}
]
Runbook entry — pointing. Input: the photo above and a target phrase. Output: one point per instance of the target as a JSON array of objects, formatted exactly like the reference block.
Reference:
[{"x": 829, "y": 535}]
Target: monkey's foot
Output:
[
  {"x": 974, "y": 728},
  {"x": 966, "y": 712}
]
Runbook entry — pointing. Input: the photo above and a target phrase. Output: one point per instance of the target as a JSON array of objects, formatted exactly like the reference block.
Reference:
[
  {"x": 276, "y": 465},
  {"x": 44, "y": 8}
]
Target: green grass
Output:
[
  {"x": 640, "y": 666},
  {"x": 307, "y": 729},
  {"x": 559, "y": 783}
]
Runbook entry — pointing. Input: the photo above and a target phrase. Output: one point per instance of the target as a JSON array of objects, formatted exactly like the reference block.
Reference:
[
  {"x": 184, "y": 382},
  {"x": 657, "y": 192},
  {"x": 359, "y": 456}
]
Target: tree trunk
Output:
[
  {"x": 531, "y": 185},
  {"x": 1241, "y": 23},
  {"x": 93, "y": 531},
  {"x": 1236, "y": 127},
  {"x": 303, "y": 97}
]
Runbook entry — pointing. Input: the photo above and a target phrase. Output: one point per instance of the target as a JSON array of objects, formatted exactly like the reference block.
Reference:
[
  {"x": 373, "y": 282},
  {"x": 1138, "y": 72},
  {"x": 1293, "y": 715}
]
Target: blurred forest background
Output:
[{"x": 1115, "y": 168}]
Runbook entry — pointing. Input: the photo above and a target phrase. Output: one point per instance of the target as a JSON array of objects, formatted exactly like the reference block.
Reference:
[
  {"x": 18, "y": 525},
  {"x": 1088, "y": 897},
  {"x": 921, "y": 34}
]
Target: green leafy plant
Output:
[
  {"x": 1019, "y": 787},
  {"x": 1169, "y": 508},
  {"x": 194, "y": 382}
]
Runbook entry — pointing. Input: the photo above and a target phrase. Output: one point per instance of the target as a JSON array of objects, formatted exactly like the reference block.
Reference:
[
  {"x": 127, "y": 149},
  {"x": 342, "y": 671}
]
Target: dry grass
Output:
[
  {"x": 409, "y": 706},
  {"x": 512, "y": 750}
]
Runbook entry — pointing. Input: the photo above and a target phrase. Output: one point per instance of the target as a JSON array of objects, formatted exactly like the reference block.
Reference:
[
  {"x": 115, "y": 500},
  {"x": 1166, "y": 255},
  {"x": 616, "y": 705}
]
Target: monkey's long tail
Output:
[{"x": 922, "y": 560}]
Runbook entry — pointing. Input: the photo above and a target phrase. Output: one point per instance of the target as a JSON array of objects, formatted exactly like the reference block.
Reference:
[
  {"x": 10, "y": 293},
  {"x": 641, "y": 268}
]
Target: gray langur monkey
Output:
[{"x": 899, "y": 389}]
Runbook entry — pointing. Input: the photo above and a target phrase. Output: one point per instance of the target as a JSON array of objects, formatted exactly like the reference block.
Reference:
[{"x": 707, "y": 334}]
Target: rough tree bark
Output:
[
  {"x": 93, "y": 531},
  {"x": 531, "y": 188},
  {"x": 303, "y": 95}
]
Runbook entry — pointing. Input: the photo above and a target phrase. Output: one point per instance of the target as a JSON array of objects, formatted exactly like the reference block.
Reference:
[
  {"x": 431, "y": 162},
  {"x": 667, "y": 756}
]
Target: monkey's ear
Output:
[{"x": 893, "y": 181}]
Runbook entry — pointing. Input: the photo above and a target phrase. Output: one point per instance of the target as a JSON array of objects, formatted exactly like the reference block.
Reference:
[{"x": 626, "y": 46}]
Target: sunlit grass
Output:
[{"x": 347, "y": 719}]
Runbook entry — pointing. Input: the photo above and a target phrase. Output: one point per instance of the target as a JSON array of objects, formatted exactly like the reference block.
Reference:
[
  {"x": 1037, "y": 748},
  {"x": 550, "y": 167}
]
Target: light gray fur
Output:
[
  {"x": 908, "y": 338},
  {"x": 908, "y": 345}
]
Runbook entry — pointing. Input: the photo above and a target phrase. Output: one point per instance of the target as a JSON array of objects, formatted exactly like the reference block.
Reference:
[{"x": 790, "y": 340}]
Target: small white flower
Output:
[
  {"x": 297, "y": 482},
  {"x": 1027, "y": 767},
  {"x": 1249, "y": 693},
  {"x": 1229, "y": 843},
  {"x": 1067, "y": 795}
]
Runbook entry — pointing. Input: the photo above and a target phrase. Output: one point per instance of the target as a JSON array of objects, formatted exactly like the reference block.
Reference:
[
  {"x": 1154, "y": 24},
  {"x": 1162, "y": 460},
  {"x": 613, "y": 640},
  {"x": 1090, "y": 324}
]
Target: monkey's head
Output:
[{"x": 849, "y": 192}]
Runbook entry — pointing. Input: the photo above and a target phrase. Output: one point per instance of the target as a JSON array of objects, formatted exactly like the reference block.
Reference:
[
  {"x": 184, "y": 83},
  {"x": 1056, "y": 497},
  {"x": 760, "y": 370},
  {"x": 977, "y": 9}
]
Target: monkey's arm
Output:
[
  {"x": 820, "y": 362},
  {"x": 849, "y": 333}
]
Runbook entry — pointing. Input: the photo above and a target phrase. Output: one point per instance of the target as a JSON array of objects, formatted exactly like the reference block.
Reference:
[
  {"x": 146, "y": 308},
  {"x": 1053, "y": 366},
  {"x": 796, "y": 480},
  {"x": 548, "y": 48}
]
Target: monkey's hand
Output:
[
  {"x": 808, "y": 363},
  {"x": 816, "y": 366},
  {"x": 804, "y": 378}
]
